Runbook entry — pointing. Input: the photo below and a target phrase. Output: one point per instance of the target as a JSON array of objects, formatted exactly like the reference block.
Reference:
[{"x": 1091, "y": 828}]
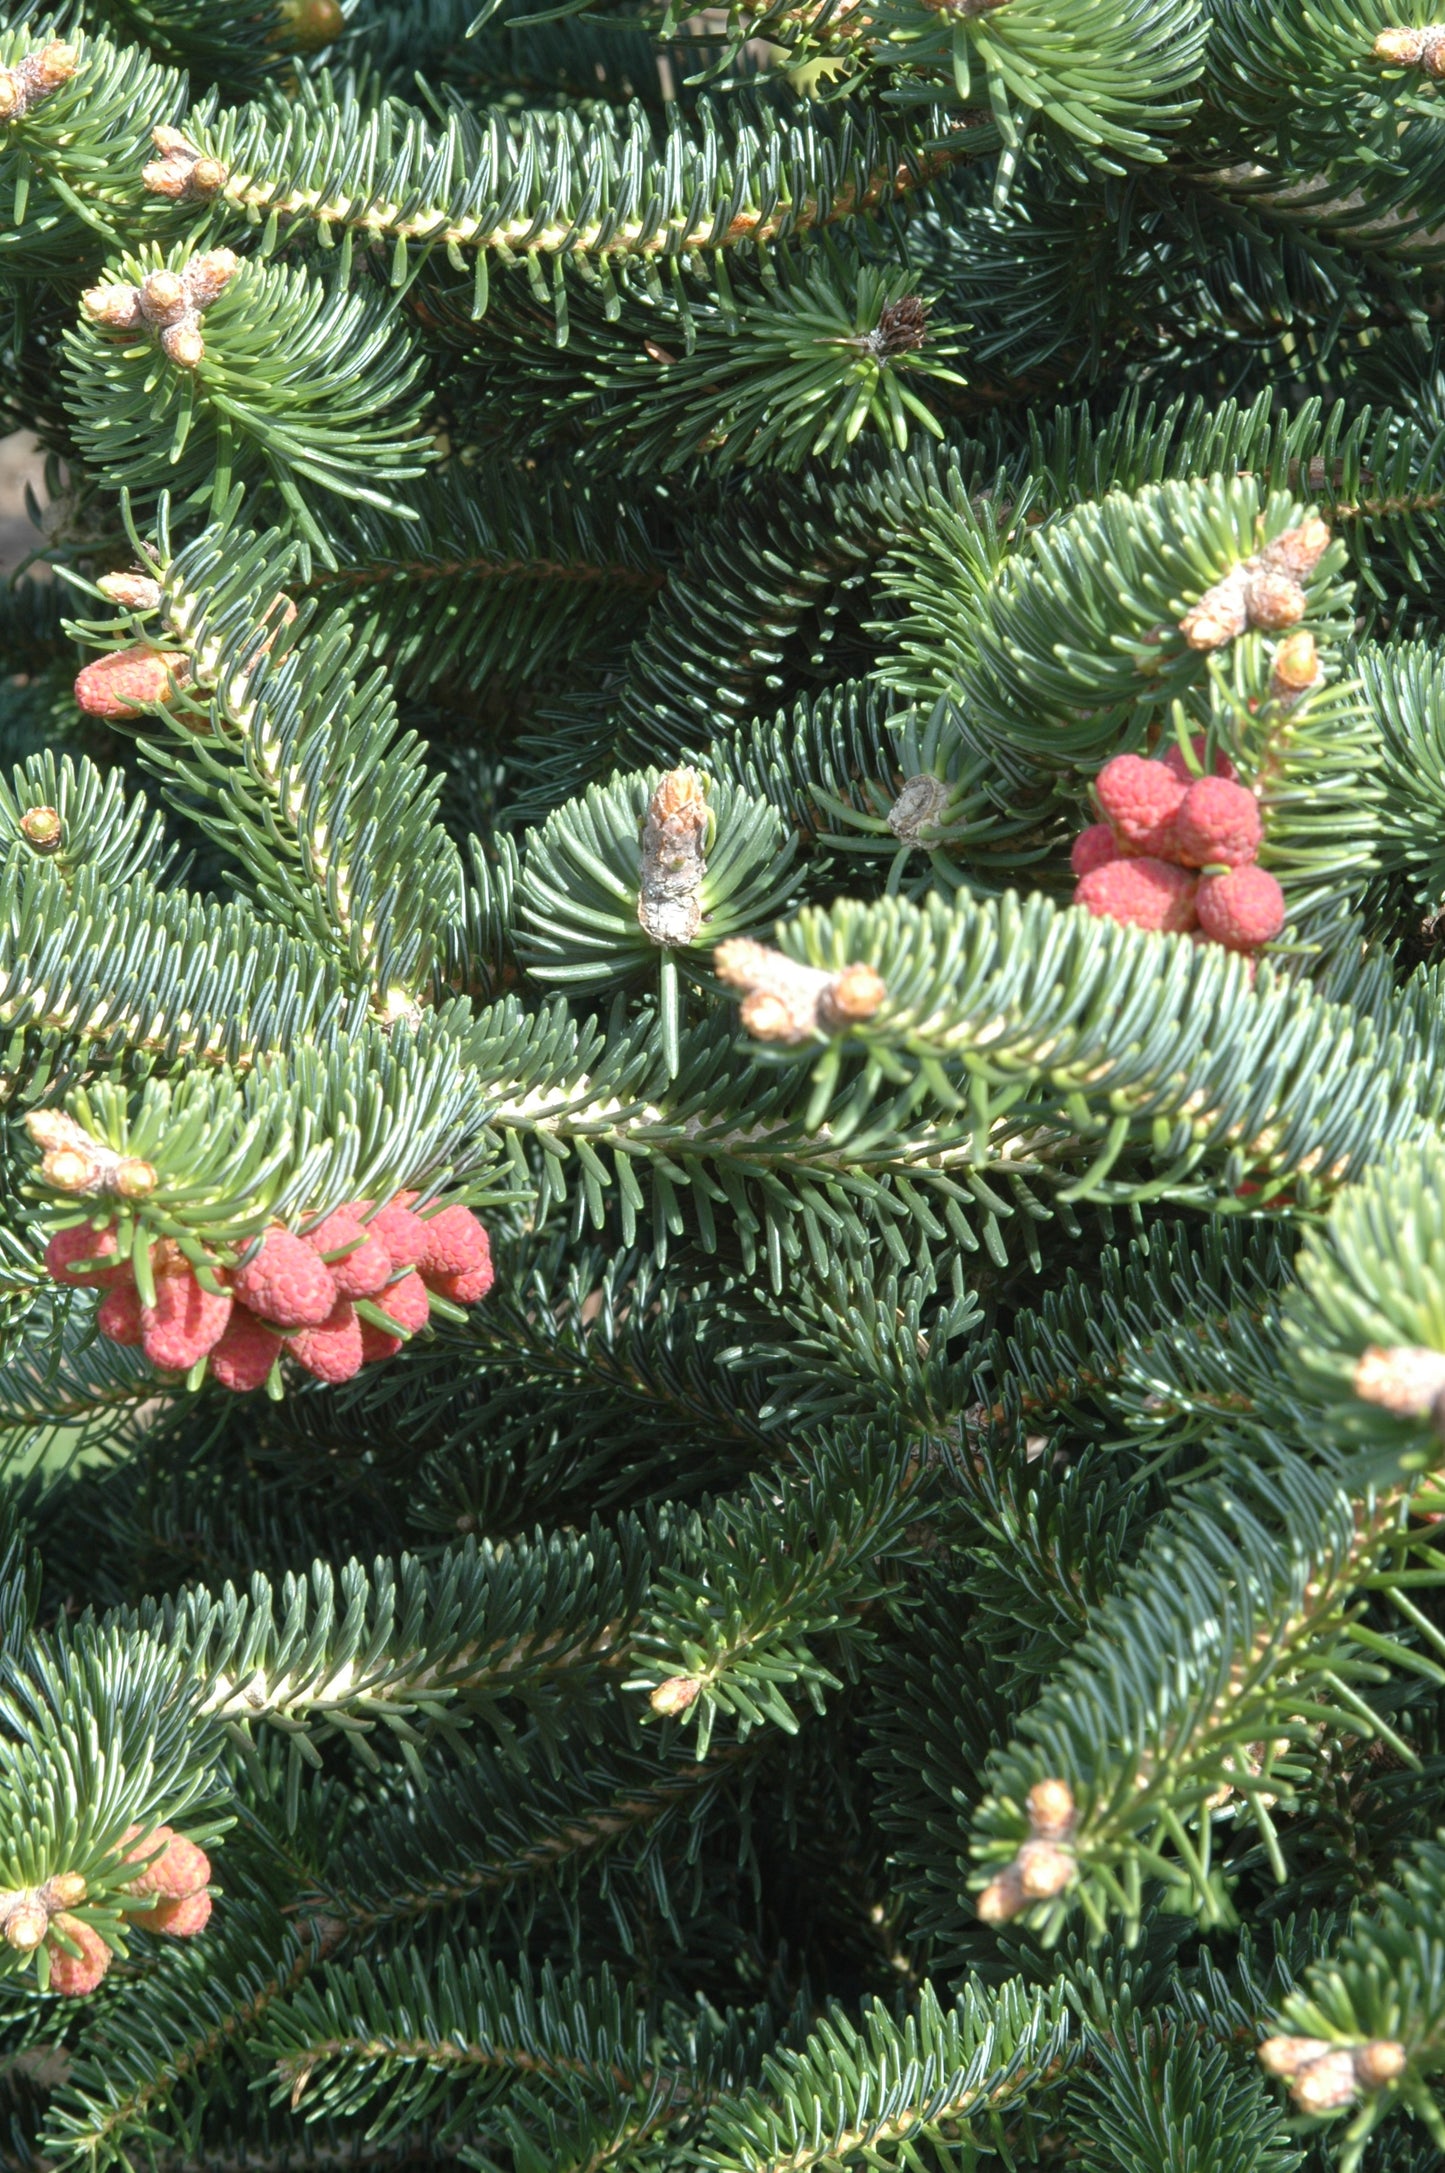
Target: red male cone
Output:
[
  {"x": 286, "y": 1283},
  {"x": 75, "y": 1975},
  {"x": 184, "y": 1322},
  {"x": 83, "y": 1241},
  {"x": 407, "y": 1303},
  {"x": 365, "y": 1266},
  {"x": 243, "y": 1358},
  {"x": 332, "y": 1350}
]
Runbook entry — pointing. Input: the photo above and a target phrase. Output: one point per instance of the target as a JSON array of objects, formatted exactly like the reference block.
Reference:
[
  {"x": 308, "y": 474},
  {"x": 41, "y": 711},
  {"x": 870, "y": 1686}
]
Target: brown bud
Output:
[
  {"x": 184, "y": 345},
  {"x": 40, "y": 826},
  {"x": 68, "y": 1169},
  {"x": 1379, "y": 2062},
  {"x": 307, "y": 25},
  {"x": 53, "y": 65},
  {"x": 1044, "y": 1869},
  {"x": 116, "y": 308},
  {"x": 27, "y": 1920},
  {"x": 1400, "y": 48},
  {"x": 1402, "y": 1378},
  {"x": 1327, "y": 2083},
  {"x": 208, "y": 177},
  {"x": 854, "y": 994},
  {"x": 132, "y": 1178},
  {"x": 1432, "y": 59},
  {"x": 163, "y": 297},
  {"x": 1220, "y": 614},
  {"x": 1274, "y": 599},
  {"x": 12, "y": 95},
  {"x": 1051, "y": 1810},
  {"x": 53, "y": 1128},
  {"x": 64, "y": 1890},
  {"x": 1299, "y": 550},
  {"x": 167, "y": 140},
  {"x": 788, "y": 1002},
  {"x": 768, "y": 1018},
  {"x": 675, "y": 1695},
  {"x": 1002, "y": 1898},
  {"x": 902, "y": 327},
  {"x": 169, "y": 177},
  {"x": 1296, "y": 666},
  {"x": 1285, "y": 2056},
  {"x": 205, "y": 276},
  {"x": 136, "y": 591}
]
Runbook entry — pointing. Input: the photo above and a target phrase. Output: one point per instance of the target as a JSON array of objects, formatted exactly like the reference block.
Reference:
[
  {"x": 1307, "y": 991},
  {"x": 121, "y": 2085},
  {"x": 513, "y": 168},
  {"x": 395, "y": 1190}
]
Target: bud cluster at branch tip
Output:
[
  {"x": 1045, "y": 1863},
  {"x": 1323, "y": 2077},
  {"x": 1265, "y": 591},
  {"x": 182, "y": 173},
  {"x": 1423, "y": 48},
  {"x": 789, "y": 1003},
  {"x": 23, "y": 88},
  {"x": 674, "y": 845},
  {"x": 72, "y": 1161},
  {"x": 169, "y": 303}
]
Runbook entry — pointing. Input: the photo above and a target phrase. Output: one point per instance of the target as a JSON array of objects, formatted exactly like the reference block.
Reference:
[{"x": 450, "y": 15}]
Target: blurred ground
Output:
[{"x": 20, "y": 463}]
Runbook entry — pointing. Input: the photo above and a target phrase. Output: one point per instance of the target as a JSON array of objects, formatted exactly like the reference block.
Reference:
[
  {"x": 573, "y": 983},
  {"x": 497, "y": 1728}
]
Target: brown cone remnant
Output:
[
  {"x": 674, "y": 841},
  {"x": 901, "y": 329},
  {"x": 918, "y": 806}
]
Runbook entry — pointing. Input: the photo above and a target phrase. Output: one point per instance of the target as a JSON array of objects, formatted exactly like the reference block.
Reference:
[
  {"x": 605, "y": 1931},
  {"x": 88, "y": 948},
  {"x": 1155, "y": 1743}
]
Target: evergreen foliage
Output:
[{"x": 892, "y": 1617}]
